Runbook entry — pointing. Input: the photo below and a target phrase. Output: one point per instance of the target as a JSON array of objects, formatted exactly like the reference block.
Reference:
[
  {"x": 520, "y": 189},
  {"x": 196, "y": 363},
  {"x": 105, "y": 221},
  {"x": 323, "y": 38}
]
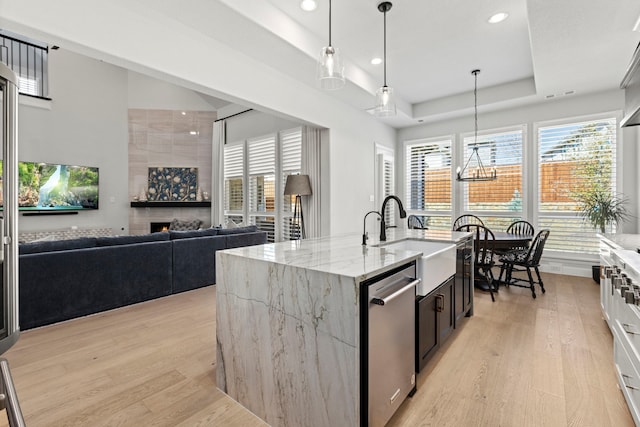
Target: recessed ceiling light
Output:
[
  {"x": 498, "y": 17},
  {"x": 376, "y": 61},
  {"x": 308, "y": 5},
  {"x": 193, "y": 132},
  {"x": 184, "y": 113}
]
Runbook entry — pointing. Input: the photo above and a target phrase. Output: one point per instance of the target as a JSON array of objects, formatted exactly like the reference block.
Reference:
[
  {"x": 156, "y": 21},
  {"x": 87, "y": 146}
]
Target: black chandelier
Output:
[{"x": 474, "y": 170}]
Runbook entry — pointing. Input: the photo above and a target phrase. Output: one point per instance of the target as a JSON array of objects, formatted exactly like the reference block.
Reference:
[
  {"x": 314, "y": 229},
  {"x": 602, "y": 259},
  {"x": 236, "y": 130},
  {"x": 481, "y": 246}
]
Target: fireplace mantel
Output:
[{"x": 171, "y": 204}]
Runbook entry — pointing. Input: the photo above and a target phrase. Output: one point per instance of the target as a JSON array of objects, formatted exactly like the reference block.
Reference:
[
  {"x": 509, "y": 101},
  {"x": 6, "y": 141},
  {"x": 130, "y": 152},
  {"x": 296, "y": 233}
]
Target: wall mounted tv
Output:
[{"x": 55, "y": 187}]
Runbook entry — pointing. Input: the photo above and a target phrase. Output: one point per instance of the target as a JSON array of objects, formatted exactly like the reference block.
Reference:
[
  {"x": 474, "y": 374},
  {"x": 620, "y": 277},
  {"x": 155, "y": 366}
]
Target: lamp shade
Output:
[
  {"x": 297, "y": 185},
  {"x": 330, "y": 69}
]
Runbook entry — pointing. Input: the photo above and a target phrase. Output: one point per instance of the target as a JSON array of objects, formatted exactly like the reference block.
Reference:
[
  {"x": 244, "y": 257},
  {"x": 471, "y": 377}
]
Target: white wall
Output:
[
  {"x": 147, "y": 93},
  {"x": 86, "y": 125},
  {"x": 153, "y": 43}
]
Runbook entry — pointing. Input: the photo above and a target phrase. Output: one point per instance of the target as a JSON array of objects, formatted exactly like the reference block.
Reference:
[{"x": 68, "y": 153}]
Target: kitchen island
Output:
[{"x": 288, "y": 324}]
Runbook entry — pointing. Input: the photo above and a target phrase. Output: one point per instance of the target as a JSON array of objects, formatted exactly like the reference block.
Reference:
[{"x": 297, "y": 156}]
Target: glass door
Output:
[{"x": 9, "y": 325}]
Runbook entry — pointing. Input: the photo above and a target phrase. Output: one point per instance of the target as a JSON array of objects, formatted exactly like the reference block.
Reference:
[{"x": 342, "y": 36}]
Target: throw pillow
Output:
[{"x": 180, "y": 225}]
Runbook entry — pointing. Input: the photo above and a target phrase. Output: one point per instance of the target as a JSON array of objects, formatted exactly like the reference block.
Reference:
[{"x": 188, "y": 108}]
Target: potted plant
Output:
[{"x": 603, "y": 210}]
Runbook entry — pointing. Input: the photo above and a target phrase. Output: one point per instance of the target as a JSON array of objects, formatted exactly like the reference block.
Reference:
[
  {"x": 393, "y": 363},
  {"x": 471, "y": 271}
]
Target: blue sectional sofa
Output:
[{"x": 65, "y": 279}]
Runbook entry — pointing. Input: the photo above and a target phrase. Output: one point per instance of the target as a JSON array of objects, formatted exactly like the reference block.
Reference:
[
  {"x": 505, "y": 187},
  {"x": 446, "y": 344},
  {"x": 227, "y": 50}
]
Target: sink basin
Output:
[{"x": 437, "y": 263}]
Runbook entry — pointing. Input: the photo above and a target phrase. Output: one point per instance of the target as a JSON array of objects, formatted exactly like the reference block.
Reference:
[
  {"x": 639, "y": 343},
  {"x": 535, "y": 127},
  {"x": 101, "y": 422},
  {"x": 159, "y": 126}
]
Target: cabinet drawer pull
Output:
[
  {"x": 625, "y": 326},
  {"x": 627, "y": 385},
  {"x": 439, "y": 303}
]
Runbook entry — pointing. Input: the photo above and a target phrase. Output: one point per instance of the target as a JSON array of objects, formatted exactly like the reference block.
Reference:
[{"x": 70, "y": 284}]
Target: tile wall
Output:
[{"x": 168, "y": 138}]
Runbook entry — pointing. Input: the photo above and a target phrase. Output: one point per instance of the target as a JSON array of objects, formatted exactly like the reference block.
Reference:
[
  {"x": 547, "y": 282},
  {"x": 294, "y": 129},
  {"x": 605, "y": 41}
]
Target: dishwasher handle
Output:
[{"x": 386, "y": 300}]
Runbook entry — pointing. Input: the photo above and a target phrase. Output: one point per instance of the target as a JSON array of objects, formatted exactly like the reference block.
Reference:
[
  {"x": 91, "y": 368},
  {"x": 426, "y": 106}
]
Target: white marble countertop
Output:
[
  {"x": 344, "y": 255},
  {"x": 623, "y": 241}
]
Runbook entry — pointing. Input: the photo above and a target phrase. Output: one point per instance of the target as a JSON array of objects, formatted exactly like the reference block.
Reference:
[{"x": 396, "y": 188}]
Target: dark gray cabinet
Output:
[
  {"x": 463, "y": 298},
  {"x": 440, "y": 312},
  {"x": 435, "y": 321}
]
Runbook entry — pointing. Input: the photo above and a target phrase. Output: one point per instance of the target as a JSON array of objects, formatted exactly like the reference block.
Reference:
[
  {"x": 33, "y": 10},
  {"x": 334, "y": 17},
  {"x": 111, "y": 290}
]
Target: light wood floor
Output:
[{"x": 516, "y": 362}]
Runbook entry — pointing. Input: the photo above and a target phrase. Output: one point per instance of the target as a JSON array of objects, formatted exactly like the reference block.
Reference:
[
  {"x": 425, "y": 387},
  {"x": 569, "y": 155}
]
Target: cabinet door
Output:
[
  {"x": 463, "y": 295},
  {"x": 426, "y": 329},
  {"x": 467, "y": 277},
  {"x": 445, "y": 294}
]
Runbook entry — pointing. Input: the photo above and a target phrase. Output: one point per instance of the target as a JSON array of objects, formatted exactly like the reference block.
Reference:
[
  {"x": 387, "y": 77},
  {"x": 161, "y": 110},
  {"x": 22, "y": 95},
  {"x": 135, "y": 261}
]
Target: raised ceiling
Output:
[{"x": 545, "y": 49}]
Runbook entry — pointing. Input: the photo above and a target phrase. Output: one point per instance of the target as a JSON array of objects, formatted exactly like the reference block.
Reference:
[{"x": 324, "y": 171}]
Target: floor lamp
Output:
[{"x": 298, "y": 185}]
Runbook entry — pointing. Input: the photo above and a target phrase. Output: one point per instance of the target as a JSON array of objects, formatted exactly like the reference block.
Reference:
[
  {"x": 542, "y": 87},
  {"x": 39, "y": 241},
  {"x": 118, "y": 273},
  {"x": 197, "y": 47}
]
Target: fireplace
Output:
[{"x": 159, "y": 226}]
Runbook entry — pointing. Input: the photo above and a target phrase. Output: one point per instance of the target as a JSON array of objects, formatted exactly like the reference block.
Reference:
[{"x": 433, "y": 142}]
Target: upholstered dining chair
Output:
[
  {"x": 484, "y": 242},
  {"x": 466, "y": 219},
  {"x": 526, "y": 260}
]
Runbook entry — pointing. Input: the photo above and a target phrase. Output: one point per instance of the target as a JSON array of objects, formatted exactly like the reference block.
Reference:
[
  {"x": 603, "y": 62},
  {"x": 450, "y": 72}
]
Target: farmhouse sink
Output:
[{"x": 437, "y": 263}]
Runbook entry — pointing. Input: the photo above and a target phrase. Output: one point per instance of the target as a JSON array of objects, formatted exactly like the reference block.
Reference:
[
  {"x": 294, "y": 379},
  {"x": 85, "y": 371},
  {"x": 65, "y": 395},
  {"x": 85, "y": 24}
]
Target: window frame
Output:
[
  {"x": 280, "y": 212},
  {"x": 451, "y": 139},
  {"x": 535, "y": 181},
  {"x": 461, "y": 187}
]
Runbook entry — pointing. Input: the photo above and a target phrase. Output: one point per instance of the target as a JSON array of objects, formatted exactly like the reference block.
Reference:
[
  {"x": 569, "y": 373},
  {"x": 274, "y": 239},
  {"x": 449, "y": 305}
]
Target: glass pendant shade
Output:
[
  {"x": 330, "y": 69},
  {"x": 385, "y": 102}
]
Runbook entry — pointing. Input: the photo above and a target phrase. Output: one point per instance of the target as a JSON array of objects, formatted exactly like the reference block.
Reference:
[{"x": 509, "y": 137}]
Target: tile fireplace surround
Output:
[{"x": 168, "y": 138}]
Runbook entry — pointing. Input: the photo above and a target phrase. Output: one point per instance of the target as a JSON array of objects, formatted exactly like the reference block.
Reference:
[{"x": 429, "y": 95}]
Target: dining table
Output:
[{"x": 503, "y": 242}]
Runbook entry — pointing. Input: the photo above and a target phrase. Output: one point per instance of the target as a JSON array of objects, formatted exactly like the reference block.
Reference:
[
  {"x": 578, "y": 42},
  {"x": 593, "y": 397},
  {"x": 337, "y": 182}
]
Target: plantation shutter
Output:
[
  {"x": 388, "y": 185},
  {"x": 291, "y": 161},
  {"x": 262, "y": 174},
  {"x": 233, "y": 182},
  {"x": 574, "y": 159},
  {"x": 428, "y": 181}
]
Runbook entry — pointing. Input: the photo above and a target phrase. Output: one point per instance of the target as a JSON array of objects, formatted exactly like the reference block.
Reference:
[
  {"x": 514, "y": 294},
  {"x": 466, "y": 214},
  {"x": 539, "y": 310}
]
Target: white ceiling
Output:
[{"x": 545, "y": 48}]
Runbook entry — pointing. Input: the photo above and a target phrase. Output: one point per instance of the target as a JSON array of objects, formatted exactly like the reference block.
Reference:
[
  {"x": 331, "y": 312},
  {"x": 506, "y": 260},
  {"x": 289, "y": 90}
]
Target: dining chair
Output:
[
  {"x": 520, "y": 228},
  {"x": 466, "y": 219},
  {"x": 484, "y": 242},
  {"x": 415, "y": 222},
  {"x": 526, "y": 260}
]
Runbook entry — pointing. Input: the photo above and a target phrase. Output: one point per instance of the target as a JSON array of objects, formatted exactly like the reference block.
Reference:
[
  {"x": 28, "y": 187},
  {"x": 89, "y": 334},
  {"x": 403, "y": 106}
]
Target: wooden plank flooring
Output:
[{"x": 516, "y": 362}]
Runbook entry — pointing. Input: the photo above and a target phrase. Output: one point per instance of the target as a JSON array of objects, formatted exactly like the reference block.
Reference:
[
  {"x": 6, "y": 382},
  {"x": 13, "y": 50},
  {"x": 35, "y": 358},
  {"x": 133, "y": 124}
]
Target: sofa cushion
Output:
[
  {"x": 192, "y": 233},
  {"x": 57, "y": 245},
  {"x": 181, "y": 225},
  {"x": 238, "y": 230},
  {"x": 127, "y": 240}
]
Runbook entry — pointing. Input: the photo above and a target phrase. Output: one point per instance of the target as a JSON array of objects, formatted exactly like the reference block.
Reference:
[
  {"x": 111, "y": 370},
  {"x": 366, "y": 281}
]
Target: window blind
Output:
[
  {"x": 501, "y": 151},
  {"x": 574, "y": 160},
  {"x": 428, "y": 180}
]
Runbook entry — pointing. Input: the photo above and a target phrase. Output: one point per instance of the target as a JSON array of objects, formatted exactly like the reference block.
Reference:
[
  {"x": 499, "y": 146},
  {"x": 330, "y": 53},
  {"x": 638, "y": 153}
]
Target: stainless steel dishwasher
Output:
[{"x": 388, "y": 326}]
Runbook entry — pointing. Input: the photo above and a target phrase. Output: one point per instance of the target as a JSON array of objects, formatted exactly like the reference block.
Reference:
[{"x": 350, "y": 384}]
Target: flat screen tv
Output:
[{"x": 56, "y": 187}]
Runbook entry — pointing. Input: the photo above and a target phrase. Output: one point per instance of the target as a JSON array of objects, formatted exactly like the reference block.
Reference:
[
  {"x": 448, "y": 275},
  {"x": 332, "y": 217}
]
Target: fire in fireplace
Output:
[{"x": 159, "y": 226}]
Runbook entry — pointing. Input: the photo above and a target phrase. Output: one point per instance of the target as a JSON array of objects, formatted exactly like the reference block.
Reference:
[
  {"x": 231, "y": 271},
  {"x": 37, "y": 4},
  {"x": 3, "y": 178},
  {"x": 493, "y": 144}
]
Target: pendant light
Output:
[
  {"x": 330, "y": 67},
  {"x": 385, "y": 101},
  {"x": 474, "y": 169}
]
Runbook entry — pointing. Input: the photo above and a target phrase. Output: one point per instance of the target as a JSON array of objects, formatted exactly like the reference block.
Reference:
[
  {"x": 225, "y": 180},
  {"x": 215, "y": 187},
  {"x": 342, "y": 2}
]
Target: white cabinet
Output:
[{"x": 619, "y": 299}]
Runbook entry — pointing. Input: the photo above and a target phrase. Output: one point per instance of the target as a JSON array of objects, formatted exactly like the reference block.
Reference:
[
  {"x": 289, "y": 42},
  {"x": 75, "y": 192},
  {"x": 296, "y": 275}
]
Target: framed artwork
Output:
[{"x": 173, "y": 184}]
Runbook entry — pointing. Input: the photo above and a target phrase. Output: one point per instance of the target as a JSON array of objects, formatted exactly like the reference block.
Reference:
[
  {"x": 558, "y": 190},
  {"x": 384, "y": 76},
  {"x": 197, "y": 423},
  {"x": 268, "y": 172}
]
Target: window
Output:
[
  {"x": 262, "y": 184},
  {"x": 255, "y": 172},
  {"x": 428, "y": 181},
  {"x": 574, "y": 159},
  {"x": 29, "y": 60},
  {"x": 498, "y": 202},
  {"x": 234, "y": 182}
]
